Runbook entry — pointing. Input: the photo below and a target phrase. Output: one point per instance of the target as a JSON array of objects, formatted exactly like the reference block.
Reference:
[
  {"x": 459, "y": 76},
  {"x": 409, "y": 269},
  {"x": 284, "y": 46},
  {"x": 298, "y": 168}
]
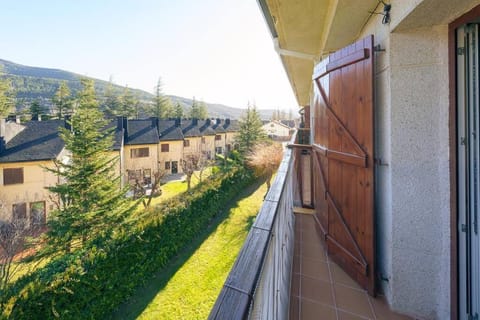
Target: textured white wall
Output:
[{"x": 412, "y": 190}]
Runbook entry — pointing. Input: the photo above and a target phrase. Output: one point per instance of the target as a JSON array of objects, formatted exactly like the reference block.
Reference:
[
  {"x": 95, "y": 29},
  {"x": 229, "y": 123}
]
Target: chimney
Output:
[
  {"x": 227, "y": 121},
  {"x": 119, "y": 123},
  {"x": 209, "y": 121},
  {"x": 68, "y": 123},
  {"x": 218, "y": 120},
  {"x": 36, "y": 117},
  {"x": 125, "y": 128},
  {"x": 195, "y": 121},
  {"x": 154, "y": 122},
  {"x": 2, "y": 144},
  {"x": 178, "y": 122}
]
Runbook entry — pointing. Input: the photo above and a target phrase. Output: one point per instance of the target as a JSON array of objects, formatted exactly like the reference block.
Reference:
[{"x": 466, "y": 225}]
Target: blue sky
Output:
[{"x": 218, "y": 51}]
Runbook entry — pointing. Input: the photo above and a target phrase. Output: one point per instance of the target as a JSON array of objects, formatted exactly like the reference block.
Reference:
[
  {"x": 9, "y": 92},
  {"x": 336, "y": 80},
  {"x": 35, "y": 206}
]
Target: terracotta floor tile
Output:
[
  {"x": 314, "y": 311},
  {"x": 353, "y": 301},
  {"x": 383, "y": 312},
  {"x": 295, "y": 285},
  {"x": 315, "y": 269},
  {"x": 339, "y": 276},
  {"x": 296, "y": 264},
  {"x": 348, "y": 316},
  {"x": 294, "y": 311},
  {"x": 316, "y": 290},
  {"x": 313, "y": 252}
]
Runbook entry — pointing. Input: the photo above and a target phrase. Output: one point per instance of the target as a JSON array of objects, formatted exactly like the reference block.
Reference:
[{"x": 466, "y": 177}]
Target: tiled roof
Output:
[
  {"x": 141, "y": 132},
  {"x": 190, "y": 128},
  {"x": 38, "y": 141},
  {"x": 169, "y": 131}
]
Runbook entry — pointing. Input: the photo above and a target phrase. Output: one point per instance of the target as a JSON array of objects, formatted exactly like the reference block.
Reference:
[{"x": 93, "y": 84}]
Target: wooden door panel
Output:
[{"x": 343, "y": 158}]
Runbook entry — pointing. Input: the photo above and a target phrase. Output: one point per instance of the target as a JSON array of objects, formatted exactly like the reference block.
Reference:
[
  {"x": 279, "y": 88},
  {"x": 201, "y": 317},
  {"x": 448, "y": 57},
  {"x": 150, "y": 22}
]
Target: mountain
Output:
[{"x": 32, "y": 83}]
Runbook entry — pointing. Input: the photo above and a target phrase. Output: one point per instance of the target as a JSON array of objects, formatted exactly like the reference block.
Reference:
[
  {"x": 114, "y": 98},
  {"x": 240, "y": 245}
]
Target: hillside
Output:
[{"x": 32, "y": 83}]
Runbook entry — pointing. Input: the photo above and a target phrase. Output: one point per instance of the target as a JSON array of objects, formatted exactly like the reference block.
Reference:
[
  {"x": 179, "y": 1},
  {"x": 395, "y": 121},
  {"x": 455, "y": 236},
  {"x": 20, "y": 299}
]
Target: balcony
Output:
[{"x": 283, "y": 270}]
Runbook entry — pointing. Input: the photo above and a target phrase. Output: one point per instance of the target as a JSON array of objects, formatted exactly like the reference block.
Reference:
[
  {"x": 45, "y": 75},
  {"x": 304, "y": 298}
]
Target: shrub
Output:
[{"x": 91, "y": 282}]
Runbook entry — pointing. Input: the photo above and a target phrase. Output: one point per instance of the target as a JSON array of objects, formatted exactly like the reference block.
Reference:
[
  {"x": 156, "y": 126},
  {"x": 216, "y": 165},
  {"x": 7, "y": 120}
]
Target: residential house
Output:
[
  {"x": 277, "y": 130},
  {"x": 390, "y": 93},
  {"x": 143, "y": 147},
  {"x": 26, "y": 151}
]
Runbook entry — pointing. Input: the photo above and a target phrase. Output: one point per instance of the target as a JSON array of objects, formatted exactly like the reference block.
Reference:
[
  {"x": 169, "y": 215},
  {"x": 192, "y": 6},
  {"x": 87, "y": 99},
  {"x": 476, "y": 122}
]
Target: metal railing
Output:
[{"x": 258, "y": 286}]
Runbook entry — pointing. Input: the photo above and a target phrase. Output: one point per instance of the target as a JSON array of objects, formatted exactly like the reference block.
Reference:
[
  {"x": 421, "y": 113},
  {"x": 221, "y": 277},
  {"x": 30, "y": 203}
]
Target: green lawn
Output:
[{"x": 188, "y": 288}]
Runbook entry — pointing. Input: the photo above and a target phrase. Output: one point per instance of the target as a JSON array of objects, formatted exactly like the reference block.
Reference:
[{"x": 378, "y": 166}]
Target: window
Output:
[
  {"x": 147, "y": 176},
  {"x": 272, "y": 125},
  {"x": 37, "y": 213},
  {"x": 139, "y": 152},
  {"x": 218, "y": 137},
  {"x": 165, "y": 147},
  {"x": 19, "y": 211},
  {"x": 218, "y": 150},
  {"x": 134, "y": 174},
  {"x": 186, "y": 143},
  {"x": 167, "y": 165},
  {"x": 203, "y": 140},
  {"x": 12, "y": 176}
]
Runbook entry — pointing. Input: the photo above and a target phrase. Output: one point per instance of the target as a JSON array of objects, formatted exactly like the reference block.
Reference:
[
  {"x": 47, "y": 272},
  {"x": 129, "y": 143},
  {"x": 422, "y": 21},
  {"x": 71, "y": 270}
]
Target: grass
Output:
[{"x": 189, "y": 286}]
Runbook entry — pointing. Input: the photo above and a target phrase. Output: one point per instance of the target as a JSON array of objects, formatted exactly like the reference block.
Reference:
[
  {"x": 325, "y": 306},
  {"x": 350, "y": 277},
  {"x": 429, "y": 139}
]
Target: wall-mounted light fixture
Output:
[{"x": 386, "y": 12}]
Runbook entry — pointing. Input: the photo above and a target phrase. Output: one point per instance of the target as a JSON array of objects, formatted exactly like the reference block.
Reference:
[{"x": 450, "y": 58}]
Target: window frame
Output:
[
  {"x": 143, "y": 152},
  {"x": 15, "y": 178},
  {"x": 165, "y": 147}
]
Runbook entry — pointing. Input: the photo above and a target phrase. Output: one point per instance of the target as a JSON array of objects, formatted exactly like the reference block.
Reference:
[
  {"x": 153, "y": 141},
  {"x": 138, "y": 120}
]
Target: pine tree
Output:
[
  {"x": 89, "y": 199},
  {"x": 62, "y": 101},
  {"x": 162, "y": 105},
  {"x": 127, "y": 104},
  {"x": 250, "y": 132},
  {"x": 111, "y": 101},
  {"x": 6, "y": 101},
  {"x": 36, "y": 109},
  {"x": 178, "y": 111},
  {"x": 198, "y": 110}
]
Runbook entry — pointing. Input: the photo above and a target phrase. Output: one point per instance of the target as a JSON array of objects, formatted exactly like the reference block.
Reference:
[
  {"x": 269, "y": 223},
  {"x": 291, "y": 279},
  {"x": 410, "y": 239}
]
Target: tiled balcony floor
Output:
[{"x": 320, "y": 289}]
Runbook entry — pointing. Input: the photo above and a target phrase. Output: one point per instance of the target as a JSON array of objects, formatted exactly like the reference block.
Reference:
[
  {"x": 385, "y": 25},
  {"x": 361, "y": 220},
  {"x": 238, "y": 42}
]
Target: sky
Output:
[{"x": 219, "y": 51}]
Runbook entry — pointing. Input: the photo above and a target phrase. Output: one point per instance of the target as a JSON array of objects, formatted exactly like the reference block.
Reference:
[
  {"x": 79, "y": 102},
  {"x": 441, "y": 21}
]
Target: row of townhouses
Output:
[{"x": 143, "y": 147}]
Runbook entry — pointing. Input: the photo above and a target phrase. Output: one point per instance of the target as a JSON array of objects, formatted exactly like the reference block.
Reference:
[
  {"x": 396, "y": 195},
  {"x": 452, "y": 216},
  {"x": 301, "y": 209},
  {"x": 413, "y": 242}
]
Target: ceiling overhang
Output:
[{"x": 304, "y": 31}]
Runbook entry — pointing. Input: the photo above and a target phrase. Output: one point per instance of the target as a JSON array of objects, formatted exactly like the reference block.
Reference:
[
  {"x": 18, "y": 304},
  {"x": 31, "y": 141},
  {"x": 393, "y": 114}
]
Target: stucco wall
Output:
[
  {"x": 36, "y": 178},
  {"x": 412, "y": 185}
]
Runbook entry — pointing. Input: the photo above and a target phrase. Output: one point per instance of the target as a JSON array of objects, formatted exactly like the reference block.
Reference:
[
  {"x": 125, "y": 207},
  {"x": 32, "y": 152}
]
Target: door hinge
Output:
[
  {"x": 473, "y": 317},
  {"x": 464, "y": 228},
  {"x": 460, "y": 51}
]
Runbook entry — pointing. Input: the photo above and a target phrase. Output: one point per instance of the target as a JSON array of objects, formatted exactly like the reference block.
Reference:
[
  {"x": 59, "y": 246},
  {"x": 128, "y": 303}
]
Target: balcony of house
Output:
[{"x": 284, "y": 270}]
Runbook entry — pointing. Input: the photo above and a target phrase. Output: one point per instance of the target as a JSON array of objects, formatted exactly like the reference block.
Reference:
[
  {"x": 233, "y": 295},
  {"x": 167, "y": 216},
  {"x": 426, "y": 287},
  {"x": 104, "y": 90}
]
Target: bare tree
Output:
[
  {"x": 189, "y": 165},
  {"x": 265, "y": 159},
  {"x": 13, "y": 240},
  {"x": 203, "y": 163},
  {"x": 139, "y": 190}
]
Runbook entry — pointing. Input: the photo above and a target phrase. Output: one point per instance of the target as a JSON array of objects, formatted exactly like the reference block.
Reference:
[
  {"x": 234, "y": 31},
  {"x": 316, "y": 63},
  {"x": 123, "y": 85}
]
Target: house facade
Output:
[
  {"x": 142, "y": 146},
  {"x": 392, "y": 90},
  {"x": 277, "y": 130}
]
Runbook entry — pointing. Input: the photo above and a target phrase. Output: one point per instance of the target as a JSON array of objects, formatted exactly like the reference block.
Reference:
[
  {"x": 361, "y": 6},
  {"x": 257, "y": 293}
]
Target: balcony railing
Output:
[{"x": 258, "y": 286}]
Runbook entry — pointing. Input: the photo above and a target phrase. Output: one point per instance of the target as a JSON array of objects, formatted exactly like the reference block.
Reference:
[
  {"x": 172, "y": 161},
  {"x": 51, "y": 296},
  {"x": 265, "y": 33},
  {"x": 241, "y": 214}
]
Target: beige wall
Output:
[
  {"x": 273, "y": 128},
  {"x": 36, "y": 178},
  {"x": 140, "y": 163},
  {"x": 175, "y": 153},
  {"x": 412, "y": 125}
]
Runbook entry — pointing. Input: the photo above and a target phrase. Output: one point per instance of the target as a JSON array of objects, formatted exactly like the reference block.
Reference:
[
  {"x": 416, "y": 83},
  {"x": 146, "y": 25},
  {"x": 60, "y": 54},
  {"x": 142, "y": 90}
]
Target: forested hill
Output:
[{"x": 31, "y": 83}]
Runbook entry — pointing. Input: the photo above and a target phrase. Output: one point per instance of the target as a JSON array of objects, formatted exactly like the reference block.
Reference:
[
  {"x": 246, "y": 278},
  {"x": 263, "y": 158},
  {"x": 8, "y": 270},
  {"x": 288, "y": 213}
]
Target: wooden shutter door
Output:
[{"x": 343, "y": 158}]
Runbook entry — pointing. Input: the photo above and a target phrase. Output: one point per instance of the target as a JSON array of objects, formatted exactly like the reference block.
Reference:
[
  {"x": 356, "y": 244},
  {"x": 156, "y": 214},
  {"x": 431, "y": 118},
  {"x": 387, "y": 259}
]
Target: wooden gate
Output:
[{"x": 343, "y": 158}]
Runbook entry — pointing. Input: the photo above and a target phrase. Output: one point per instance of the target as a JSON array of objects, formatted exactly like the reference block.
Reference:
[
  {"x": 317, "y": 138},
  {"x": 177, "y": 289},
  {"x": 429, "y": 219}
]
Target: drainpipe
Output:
[{"x": 291, "y": 53}]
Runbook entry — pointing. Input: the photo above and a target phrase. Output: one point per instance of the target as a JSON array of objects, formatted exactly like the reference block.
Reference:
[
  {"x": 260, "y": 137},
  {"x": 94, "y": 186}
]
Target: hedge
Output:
[{"x": 91, "y": 283}]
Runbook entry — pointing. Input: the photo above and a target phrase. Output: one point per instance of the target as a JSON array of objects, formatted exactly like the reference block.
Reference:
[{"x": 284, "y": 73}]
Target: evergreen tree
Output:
[
  {"x": 89, "y": 199},
  {"x": 36, "y": 109},
  {"x": 198, "y": 110},
  {"x": 162, "y": 105},
  {"x": 178, "y": 111},
  {"x": 111, "y": 101},
  {"x": 127, "y": 104},
  {"x": 250, "y": 130},
  {"x": 6, "y": 101},
  {"x": 203, "y": 111},
  {"x": 62, "y": 101}
]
